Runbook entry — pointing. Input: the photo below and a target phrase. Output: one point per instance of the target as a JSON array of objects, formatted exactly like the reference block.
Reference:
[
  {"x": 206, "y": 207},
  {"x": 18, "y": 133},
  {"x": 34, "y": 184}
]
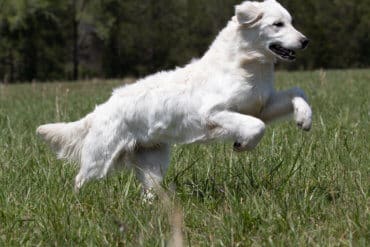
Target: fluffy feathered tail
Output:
[{"x": 66, "y": 139}]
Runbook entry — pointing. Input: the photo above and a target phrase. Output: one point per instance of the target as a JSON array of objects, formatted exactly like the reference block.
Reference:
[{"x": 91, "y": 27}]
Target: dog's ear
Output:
[{"x": 248, "y": 13}]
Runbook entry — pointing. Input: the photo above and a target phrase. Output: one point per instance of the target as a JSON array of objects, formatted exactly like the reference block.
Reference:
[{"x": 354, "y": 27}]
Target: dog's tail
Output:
[{"x": 66, "y": 139}]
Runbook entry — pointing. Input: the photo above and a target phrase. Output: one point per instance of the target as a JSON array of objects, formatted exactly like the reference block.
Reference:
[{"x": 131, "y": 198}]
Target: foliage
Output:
[{"x": 55, "y": 39}]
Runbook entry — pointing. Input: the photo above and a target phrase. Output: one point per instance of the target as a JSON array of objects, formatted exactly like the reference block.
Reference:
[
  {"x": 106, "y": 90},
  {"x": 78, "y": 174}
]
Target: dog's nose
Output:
[{"x": 304, "y": 42}]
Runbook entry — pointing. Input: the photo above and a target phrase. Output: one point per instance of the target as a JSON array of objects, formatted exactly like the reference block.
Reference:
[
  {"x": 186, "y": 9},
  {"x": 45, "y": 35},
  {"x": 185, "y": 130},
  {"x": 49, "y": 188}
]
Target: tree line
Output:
[{"x": 73, "y": 39}]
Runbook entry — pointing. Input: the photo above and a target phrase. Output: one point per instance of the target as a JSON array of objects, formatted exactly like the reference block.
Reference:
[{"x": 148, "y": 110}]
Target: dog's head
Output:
[{"x": 267, "y": 26}]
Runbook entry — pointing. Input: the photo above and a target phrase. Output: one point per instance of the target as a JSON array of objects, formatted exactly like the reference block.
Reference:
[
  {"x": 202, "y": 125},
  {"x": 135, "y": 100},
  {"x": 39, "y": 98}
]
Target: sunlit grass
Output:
[{"x": 295, "y": 189}]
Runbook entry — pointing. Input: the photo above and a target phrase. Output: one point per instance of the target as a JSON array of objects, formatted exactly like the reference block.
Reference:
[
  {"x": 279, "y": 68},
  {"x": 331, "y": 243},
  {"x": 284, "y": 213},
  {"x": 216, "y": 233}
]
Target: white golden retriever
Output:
[{"x": 228, "y": 94}]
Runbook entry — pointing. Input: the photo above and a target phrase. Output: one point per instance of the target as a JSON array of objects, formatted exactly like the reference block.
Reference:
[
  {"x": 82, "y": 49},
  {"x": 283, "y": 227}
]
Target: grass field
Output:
[{"x": 295, "y": 189}]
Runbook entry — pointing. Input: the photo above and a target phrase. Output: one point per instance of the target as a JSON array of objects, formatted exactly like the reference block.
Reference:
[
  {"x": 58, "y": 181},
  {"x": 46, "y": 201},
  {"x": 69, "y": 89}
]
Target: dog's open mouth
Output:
[{"x": 282, "y": 52}]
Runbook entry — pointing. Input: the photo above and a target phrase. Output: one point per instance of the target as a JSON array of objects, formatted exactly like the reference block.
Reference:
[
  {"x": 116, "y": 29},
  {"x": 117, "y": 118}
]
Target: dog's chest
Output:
[
  {"x": 256, "y": 91},
  {"x": 254, "y": 100}
]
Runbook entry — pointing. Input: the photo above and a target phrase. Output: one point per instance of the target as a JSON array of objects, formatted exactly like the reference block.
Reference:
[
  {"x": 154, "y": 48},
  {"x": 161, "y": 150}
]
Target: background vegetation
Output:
[
  {"x": 295, "y": 189},
  {"x": 70, "y": 39}
]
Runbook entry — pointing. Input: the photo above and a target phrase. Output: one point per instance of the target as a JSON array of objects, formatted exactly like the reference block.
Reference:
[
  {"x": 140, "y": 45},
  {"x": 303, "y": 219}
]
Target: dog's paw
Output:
[
  {"x": 252, "y": 137},
  {"x": 238, "y": 147},
  {"x": 302, "y": 114},
  {"x": 242, "y": 146}
]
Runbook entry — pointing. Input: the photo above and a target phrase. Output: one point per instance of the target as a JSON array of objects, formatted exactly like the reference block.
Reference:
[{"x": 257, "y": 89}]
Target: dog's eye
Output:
[{"x": 278, "y": 24}]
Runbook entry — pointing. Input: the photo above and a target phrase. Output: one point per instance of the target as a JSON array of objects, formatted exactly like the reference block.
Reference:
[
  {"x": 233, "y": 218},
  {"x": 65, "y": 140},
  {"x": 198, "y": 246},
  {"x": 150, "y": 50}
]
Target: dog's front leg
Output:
[
  {"x": 246, "y": 130},
  {"x": 286, "y": 102}
]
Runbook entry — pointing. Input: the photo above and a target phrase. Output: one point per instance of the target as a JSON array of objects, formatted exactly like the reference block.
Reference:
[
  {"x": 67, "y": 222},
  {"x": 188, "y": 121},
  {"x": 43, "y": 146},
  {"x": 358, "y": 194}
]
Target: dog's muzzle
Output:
[{"x": 284, "y": 53}]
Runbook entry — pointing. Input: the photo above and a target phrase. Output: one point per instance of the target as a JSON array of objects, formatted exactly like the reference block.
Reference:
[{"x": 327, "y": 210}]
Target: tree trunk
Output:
[
  {"x": 75, "y": 37},
  {"x": 11, "y": 67}
]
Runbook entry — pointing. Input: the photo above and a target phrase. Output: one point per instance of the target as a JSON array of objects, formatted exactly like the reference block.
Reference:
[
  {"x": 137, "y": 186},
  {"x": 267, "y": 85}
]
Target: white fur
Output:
[{"x": 228, "y": 94}]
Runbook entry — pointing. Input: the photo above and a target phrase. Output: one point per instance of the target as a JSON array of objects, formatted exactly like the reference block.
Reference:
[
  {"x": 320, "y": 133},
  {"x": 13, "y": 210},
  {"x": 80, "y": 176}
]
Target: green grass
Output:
[{"x": 295, "y": 189}]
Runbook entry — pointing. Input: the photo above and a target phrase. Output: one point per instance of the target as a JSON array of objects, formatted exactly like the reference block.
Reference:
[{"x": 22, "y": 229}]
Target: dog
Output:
[{"x": 228, "y": 94}]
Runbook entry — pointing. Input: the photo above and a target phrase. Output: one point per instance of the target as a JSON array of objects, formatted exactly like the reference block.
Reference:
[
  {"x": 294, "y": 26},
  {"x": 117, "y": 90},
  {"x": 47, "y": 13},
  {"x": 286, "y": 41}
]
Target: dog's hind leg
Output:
[
  {"x": 99, "y": 156},
  {"x": 151, "y": 164}
]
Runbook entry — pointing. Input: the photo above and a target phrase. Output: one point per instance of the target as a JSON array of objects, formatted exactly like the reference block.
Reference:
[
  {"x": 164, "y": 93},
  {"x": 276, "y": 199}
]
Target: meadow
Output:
[{"x": 296, "y": 189}]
